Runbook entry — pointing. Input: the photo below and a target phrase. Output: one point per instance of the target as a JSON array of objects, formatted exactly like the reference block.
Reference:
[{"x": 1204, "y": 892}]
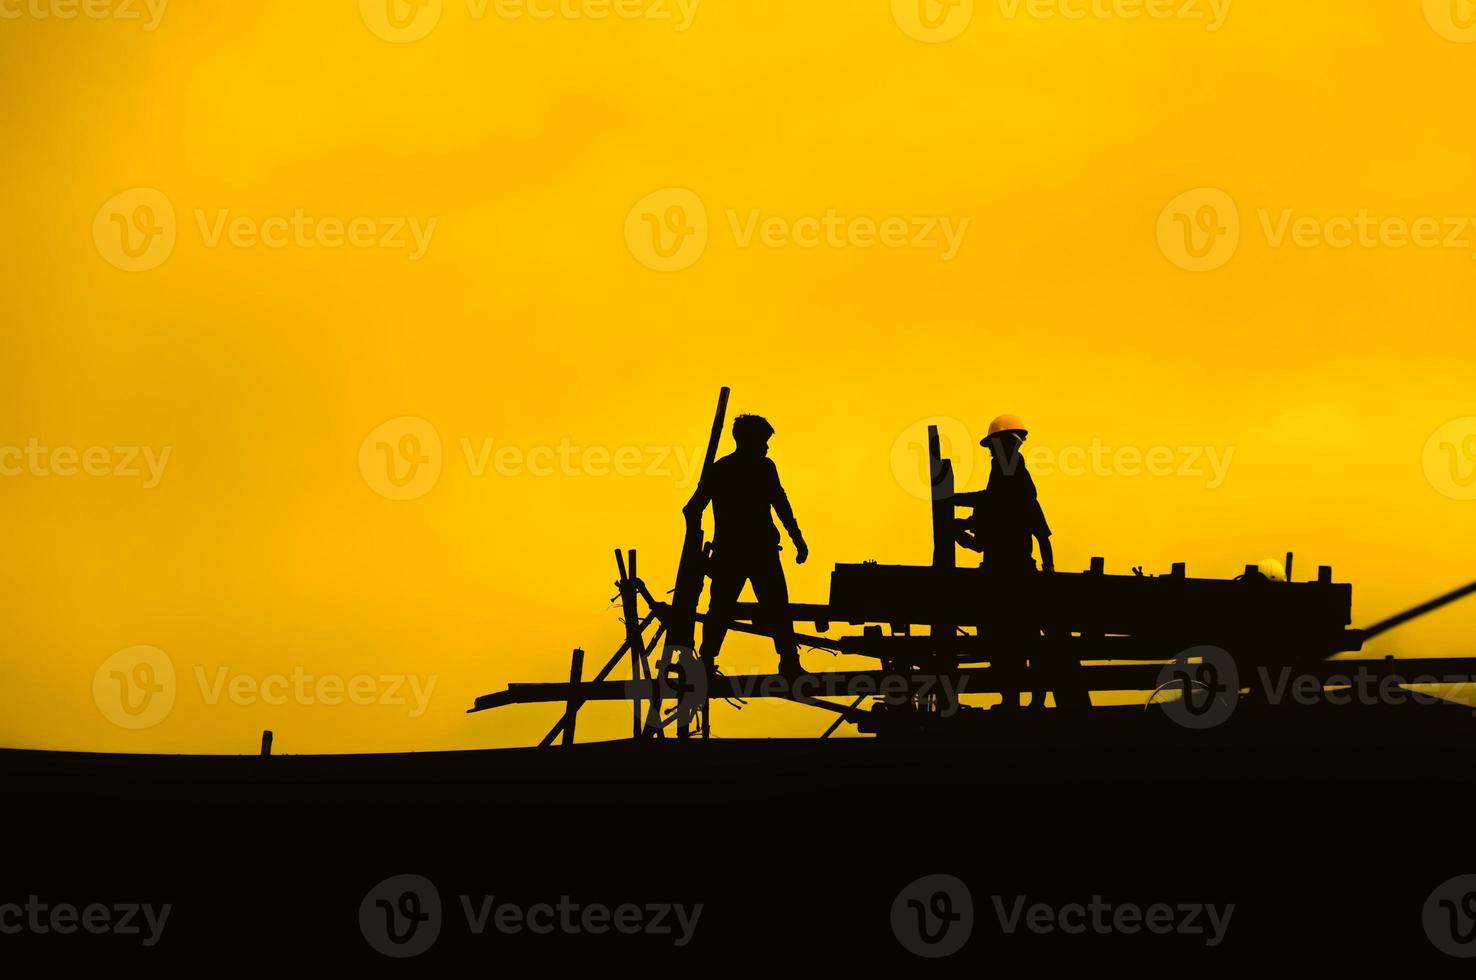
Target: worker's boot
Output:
[{"x": 790, "y": 666}]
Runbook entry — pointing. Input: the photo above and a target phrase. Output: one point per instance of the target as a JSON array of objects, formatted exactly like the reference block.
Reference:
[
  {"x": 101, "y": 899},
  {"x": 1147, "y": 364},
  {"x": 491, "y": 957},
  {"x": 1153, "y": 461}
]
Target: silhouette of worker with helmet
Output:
[{"x": 1007, "y": 519}]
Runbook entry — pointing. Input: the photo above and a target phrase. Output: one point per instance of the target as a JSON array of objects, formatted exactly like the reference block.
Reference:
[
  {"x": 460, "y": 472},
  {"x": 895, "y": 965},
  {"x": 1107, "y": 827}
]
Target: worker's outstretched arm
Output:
[
  {"x": 964, "y": 534},
  {"x": 700, "y": 499},
  {"x": 1047, "y": 555},
  {"x": 780, "y": 502},
  {"x": 1042, "y": 532}
]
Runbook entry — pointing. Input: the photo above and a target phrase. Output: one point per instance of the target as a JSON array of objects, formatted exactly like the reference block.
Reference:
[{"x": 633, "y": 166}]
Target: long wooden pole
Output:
[
  {"x": 681, "y": 623},
  {"x": 681, "y": 617}
]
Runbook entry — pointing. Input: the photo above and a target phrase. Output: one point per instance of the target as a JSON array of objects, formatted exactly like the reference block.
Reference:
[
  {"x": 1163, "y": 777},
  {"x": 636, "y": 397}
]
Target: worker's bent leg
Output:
[
  {"x": 1063, "y": 671},
  {"x": 1009, "y": 668},
  {"x": 773, "y": 598},
  {"x": 727, "y": 585},
  {"x": 1040, "y": 668}
]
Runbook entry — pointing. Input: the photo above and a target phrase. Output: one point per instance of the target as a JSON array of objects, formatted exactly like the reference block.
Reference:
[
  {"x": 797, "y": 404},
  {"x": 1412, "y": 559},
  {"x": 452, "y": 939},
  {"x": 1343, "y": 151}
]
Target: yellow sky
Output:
[{"x": 271, "y": 307}]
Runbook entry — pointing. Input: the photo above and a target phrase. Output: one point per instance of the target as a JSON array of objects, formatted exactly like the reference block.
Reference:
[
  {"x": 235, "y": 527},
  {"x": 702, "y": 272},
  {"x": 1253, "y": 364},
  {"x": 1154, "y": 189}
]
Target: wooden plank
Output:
[
  {"x": 980, "y": 680},
  {"x": 571, "y": 710},
  {"x": 940, "y": 477},
  {"x": 1201, "y": 609}
]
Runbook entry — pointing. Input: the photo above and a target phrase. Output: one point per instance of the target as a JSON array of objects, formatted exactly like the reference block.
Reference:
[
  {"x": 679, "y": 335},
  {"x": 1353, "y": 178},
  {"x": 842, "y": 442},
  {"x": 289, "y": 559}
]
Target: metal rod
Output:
[
  {"x": 841, "y": 719},
  {"x": 1386, "y": 625}
]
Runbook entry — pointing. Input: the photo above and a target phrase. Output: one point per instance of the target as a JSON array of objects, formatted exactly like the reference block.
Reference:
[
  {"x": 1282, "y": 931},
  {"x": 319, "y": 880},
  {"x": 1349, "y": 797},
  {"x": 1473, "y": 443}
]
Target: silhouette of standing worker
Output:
[
  {"x": 1007, "y": 516},
  {"x": 742, "y": 488}
]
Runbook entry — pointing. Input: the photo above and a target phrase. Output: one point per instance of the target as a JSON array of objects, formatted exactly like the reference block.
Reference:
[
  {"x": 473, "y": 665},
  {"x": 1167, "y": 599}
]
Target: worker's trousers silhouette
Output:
[
  {"x": 1022, "y": 633},
  {"x": 730, "y": 570}
]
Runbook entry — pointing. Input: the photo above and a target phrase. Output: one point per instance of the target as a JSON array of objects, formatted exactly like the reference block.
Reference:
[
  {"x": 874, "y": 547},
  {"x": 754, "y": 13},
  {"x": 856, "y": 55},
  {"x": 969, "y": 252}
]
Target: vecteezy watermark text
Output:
[
  {"x": 402, "y": 917},
  {"x": 933, "y": 917},
  {"x": 938, "y": 21},
  {"x": 1105, "y": 918},
  {"x": 35, "y": 459},
  {"x": 668, "y": 230},
  {"x": 1359, "y": 686},
  {"x": 1201, "y": 688},
  {"x": 304, "y": 688},
  {"x": 137, "y": 229},
  {"x": 1098, "y": 458},
  {"x": 1201, "y": 230},
  {"x": 407, "y": 21},
  {"x": 403, "y": 458},
  {"x": 149, "y": 12},
  {"x": 138, "y": 687},
  {"x": 570, "y": 918},
  {"x": 40, "y": 918},
  {"x": 893, "y": 688}
]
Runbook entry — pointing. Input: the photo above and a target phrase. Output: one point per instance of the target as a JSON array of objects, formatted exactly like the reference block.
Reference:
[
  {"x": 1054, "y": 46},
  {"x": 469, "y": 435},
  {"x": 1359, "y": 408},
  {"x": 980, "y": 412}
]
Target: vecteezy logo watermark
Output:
[
  {"x": 673, "y": 920},
  {"x": 933, "y": 21},
  {"x": 35, "y": 459},
  {"x": 1199, "y": 230},
  {"x": 401, "y": 459},
  {"x": 682, "y": 678},
  {"x": 1105, "y": 918},
  {"x": 933, "y": 917},
  {"x": 1360, "y": 686},
  {"x": 936, "y": 21},
  {"x": 569, "y": 459},
  {"x": 668, "y": 230},
  {"x": 137, "y": 230},
  {"x": 307, "y": 689},
  {"x": 911, "y": 466},
  {"x": 1449, "y": 917},
  {"x": 894, "y": 689},
  {"x": 1212, "y": 13},
  {"x": 150, "y": 12},
  {"x": 1199, "y": 689},
  {"x": 1450, "y": 458},
  {"x": 402, "y": 917},
  {"x": 1454, "y": 20},
  {"x": 305, "y": 231},
  {"x": 401, "y": 21},
  {"x": 64, "y": 919},
  {"x": 406, "y": 21},
  {"x": 135, "y": 688}
]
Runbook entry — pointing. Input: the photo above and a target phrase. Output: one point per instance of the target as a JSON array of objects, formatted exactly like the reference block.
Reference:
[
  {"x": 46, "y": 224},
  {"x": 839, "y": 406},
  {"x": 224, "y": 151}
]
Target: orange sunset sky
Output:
[{"x": 1218, "y": 255}]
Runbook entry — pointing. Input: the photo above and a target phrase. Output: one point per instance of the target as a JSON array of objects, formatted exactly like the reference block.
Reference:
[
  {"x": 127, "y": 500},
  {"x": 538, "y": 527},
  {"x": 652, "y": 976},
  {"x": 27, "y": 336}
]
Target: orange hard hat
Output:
[{"x": 1005, "y": 423}]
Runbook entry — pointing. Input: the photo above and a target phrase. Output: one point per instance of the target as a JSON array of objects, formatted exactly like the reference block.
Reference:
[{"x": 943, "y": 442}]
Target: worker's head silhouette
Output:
[
  {"x": 751, "y": 433},
  {"x": 1006, "y": 434}
]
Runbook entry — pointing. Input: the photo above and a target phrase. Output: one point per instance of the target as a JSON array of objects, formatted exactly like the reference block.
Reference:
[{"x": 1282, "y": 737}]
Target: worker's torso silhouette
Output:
[
  {"x": 1010, "y": 516},
  {"x": 744, "y": 488}
]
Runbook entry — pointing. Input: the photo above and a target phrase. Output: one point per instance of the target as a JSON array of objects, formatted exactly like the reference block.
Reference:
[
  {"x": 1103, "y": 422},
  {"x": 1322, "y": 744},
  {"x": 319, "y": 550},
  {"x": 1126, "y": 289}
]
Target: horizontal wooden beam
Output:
[{"x": 1124, "y": 677}]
